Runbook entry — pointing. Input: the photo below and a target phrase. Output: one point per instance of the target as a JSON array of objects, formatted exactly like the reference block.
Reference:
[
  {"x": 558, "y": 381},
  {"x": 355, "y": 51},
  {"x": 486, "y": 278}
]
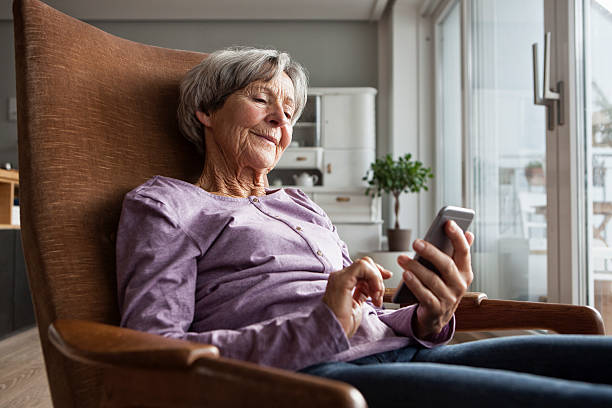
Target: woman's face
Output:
[{"x": 253, "y": 127}]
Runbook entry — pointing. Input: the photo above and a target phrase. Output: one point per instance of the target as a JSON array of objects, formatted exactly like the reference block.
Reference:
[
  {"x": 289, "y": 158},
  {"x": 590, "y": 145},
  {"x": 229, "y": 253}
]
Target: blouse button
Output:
[
  {"x": 255, "y": 200},
  {"x": 298, "y": 228},
  {"x": 319, "y": 253}
]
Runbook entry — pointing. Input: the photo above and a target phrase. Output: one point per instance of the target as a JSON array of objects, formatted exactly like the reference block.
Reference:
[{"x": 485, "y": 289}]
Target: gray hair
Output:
[{"x": 206, "y": 86}]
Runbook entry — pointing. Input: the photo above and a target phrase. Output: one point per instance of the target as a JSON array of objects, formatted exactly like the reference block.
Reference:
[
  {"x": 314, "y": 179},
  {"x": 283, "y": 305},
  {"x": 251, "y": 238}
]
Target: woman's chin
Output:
[{"x": 262, "y": 164}]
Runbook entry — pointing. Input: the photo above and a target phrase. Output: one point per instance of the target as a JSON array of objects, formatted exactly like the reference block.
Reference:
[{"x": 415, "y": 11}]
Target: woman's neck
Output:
[{"x": 226, "y": 177}]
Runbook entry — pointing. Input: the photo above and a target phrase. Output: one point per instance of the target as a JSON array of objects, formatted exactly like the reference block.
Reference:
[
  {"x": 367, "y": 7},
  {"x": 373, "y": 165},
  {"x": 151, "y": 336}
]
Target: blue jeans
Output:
[{"x": 522, "y": 371}]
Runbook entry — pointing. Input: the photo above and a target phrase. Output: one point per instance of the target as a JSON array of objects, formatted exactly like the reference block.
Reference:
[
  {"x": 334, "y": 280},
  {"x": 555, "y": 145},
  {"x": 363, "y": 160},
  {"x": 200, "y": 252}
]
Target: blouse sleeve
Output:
[{"x": 156, "y": 278}]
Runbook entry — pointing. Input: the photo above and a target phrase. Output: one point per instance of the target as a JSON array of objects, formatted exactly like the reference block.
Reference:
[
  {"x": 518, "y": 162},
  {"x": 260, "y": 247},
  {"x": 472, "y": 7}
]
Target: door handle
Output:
[{"x": 550, "y": 97}]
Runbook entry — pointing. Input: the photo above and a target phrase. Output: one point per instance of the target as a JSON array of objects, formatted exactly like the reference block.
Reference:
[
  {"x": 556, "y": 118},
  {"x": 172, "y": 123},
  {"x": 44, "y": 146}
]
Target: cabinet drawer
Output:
[
  {"x": 305, "y": 158},
  {"x": 351, "y": 207}
]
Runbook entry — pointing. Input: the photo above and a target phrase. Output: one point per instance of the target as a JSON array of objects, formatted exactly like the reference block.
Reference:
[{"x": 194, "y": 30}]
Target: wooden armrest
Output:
[
  {"x": 478, "y": 313},
  {"x": 222, "y": 382},
  {"x": 388, "y": 296},
  {"x": 143, "y": 369},
  {"x": 475, "y": 296},
  {"x": 105, "y": 344}
]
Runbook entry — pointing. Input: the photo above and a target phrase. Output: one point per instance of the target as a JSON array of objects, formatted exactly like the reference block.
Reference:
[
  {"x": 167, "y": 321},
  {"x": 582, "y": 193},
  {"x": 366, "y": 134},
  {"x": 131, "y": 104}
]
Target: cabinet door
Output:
[
  {"x": 24, "y": 311},
  {"x": 348, "y": 121},
  {"x": 345, "y": 168},
  {"x": 7, "y": 244}
]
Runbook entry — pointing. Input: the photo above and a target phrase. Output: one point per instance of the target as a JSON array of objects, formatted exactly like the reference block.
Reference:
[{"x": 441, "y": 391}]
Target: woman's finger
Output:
[
  {"x": 470, "y": 238},
  {"x": 360, "y": 294},
  {"x": 364, "y": 273},
  {"x": 461, "y": 247},
  {"x": 425, "y": 297},
  {"x": 428, "y": 279},
  {"x": 385, "y": 273},
  {"x": 448, "y": 270}
]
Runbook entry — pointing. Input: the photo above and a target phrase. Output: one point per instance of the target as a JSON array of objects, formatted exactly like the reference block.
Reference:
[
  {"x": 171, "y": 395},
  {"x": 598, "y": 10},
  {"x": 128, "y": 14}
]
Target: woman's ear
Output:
[{"x": 204, "y": 118}]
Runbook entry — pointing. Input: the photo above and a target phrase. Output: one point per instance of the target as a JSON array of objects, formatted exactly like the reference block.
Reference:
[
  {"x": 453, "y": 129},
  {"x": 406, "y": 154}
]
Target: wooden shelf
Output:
[
  {"x": 9, "y": 187},
  {"x": 9, "y": 226}
]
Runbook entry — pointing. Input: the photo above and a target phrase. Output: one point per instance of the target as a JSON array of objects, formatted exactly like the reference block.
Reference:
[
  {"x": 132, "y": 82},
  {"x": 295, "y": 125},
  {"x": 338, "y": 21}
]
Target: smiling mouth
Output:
[{"x": 269, "y": 138}]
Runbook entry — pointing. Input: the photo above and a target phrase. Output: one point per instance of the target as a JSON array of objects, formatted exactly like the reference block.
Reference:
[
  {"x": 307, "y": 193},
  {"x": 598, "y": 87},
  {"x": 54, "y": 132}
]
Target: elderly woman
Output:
[{"x": 263, "y": 275}]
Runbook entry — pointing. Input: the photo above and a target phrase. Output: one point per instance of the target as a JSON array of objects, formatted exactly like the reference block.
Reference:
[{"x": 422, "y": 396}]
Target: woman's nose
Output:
[{"x": 276, "y": 117}]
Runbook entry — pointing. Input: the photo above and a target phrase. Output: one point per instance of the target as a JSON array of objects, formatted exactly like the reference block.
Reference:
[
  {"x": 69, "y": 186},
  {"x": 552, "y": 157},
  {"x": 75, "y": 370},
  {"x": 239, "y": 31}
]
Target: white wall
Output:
[{"x": 406, "y": 102}]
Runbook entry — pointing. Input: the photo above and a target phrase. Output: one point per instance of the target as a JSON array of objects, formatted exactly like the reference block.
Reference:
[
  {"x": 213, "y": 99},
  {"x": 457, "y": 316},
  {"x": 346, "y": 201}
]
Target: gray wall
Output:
[{"x": 336, "y": 53}]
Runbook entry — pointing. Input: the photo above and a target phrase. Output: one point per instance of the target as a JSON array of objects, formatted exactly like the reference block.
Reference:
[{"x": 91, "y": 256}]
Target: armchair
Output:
[{"x": 96, "y": 117}]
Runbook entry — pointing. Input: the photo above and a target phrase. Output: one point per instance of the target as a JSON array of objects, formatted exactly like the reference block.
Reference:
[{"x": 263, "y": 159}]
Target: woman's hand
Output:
[
  {"x": 349, "y": 288},
  {"x": 440, "y": 295}
]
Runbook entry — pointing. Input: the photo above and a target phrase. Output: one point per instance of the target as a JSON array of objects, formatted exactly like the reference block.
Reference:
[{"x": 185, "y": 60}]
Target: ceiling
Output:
[{"x": 369, "y": 10}]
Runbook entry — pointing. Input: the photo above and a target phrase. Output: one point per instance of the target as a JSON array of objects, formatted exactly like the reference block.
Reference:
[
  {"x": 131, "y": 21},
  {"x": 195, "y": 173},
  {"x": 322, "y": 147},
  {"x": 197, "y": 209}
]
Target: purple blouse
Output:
[{"x": 244, "y": 274}]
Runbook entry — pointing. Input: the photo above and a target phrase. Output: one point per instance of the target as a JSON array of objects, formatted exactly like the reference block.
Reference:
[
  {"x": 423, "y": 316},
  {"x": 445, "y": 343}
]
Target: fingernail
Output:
[
  {"x": 453, "y": 226},
  {"x": 407, "y": 275},
  {"x": 419, "y": 245}
]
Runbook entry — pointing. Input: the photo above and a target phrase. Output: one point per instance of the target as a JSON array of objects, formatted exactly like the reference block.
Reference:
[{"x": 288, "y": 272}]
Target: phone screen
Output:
[{"x": 436, "y": 236}]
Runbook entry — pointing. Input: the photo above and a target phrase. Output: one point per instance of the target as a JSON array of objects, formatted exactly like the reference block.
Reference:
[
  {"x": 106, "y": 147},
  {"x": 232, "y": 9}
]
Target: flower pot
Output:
[
  {"x": 535, "y": 176},
  {"x": 399, "y": 239}
]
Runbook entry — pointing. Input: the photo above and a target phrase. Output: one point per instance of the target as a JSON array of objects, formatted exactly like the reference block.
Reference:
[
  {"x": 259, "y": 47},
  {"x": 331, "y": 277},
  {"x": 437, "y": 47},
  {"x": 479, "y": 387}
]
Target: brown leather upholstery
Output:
[{"x": 96, "y": 118}]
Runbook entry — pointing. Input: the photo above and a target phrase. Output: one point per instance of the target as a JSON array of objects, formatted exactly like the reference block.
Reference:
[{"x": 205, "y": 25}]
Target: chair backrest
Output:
[{"x": 96, "y": 118}]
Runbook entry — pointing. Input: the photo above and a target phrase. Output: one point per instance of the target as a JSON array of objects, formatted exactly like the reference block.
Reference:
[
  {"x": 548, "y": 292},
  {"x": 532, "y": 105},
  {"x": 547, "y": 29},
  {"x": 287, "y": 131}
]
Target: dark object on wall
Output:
[
  {"x": 16, "y": 311},
  {"x": 7, "y": 278},
  {"x": 23, "y": 314}
]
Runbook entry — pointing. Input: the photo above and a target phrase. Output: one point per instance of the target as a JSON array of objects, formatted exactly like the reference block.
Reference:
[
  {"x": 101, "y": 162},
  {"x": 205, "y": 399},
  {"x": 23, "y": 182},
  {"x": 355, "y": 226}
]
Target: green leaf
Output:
[{"x": 396, "y": 176}]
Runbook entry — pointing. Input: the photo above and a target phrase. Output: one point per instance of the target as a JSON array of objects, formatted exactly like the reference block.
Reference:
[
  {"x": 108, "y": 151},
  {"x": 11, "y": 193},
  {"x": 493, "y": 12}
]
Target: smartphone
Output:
[{"x": 436, "y": 235}]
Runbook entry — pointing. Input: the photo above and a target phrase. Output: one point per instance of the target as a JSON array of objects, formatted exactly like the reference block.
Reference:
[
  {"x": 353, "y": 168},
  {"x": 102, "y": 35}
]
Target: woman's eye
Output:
[
  {"x": 288, "y": 115},
  {"x": 259, "y": 100}
]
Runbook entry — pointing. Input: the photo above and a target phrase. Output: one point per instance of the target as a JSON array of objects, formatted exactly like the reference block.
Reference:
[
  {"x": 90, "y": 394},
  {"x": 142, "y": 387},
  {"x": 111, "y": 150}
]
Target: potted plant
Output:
[
  {"x": 534, "y": 172},
  {"x": 396, "y": 177}
]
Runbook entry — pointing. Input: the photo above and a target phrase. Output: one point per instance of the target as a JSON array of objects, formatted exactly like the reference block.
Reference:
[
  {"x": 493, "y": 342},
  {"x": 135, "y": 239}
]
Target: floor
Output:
[{"x": 23, "y": 381}]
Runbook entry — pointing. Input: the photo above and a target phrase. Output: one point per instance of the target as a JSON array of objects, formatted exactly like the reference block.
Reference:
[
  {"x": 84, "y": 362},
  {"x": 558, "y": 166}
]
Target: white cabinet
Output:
[
  {"x": 348, "y": 121},
  {"x": 346, "y": 167}
]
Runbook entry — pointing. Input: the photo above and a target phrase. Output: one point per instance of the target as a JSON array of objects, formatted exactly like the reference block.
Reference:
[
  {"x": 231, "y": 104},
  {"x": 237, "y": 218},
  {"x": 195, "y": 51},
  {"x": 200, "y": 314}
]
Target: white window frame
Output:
[{"x": 567, "y": 234}]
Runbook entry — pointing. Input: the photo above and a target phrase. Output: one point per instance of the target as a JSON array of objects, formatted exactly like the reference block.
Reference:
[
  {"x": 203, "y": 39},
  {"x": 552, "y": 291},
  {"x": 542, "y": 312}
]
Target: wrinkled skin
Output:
[{"x": 246, "y": 137}]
